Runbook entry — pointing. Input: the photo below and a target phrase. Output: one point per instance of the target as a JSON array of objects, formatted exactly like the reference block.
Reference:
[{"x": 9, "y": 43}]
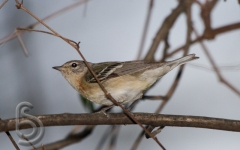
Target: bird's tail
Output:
[{"x": 182, "y": 60}]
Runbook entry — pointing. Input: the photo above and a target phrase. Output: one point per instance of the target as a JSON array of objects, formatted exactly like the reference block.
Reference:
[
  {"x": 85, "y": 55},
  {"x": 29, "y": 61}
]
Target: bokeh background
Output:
[{"x": 110, "y": 30}]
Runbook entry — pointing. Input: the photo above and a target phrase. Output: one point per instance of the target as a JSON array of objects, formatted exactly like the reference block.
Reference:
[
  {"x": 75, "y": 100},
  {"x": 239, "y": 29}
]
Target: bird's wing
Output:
[{"x": 107, "y": 70}]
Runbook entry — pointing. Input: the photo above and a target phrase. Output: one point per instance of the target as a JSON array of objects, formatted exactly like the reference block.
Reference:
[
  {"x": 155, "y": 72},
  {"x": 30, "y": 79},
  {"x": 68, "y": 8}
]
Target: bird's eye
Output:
[{"x": 74, "y": 65}]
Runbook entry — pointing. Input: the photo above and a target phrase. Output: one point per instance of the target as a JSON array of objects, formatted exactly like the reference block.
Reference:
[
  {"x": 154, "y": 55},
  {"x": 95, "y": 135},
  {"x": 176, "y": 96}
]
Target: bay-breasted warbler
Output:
[{"x": 125, "y": 81}]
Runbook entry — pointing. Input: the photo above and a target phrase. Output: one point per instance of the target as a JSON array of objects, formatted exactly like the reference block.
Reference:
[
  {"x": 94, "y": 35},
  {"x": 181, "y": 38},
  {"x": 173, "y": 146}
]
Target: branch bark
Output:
[{"x": 122, "y": 119}]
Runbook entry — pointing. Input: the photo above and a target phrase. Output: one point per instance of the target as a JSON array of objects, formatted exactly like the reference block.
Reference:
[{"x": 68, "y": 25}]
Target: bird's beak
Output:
[{"x": 57, "y": 68}]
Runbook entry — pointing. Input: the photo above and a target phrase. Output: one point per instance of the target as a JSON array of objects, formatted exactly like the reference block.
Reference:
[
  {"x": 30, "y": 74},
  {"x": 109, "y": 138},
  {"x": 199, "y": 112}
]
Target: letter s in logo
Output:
[{"x": 21, "y": 110}]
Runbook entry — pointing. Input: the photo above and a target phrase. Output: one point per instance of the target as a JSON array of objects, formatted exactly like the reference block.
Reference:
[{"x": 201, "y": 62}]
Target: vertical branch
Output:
[
  {"x": 187, "y": 5},
  {"x": 138, "y": 140},
  {"x": 206, "y": 17},
  {"x": 145, "y": 29},
  {"x": 85, "y": 8},
  {"x": 104, "y": 138},
  {"x": 166, "y": 47},
  {"x": 22, "y": 43},
  {"x": 111, "y": 132},
  {"x": 163, "y": 30},
  {"x": 186, "y": 49},
  {"x": 206, "y": 13},
  {"x": 114, "y": 134}
]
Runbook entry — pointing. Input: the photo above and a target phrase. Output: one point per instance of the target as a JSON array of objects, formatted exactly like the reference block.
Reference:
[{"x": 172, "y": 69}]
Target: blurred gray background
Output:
[{"x": 110, "y": 30}]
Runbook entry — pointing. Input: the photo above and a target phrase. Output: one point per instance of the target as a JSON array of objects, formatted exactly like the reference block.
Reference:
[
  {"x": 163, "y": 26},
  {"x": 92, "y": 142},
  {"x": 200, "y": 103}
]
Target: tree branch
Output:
[
  {"x": 215, "y": 68},
  {"x": 163, "y": 31},
  {"x": 74, "y": 138},
  {"x": 206, "y": 36},
  {"x": 32, "y": 26},
  {"x": 145, "y": 29},
  {"x": 122, "y": 119}
]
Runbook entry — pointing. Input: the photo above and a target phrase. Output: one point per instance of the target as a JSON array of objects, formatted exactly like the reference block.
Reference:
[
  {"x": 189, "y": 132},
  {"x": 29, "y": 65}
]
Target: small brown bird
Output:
[{"x": 125, "y": 81}]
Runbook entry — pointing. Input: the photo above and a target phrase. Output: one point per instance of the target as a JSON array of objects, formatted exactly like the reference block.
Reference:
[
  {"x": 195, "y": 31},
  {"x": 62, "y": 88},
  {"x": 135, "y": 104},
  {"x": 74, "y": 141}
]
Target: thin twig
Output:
[
  {"x": 12, "y": 140},
  {"x": 57, "y": 13},
  {"x": 214, "y": 33},
  {"x": 45, "y": 32},
  {"x": 138, "y": 140},
  {"x": 29, "y": 142},
  {"x": 69, "y": 139},
  {"x": 145, "y": 29},
  {"x": 3, "y": 3},
  {"x": 113, "y": 139},
  {"x": 235, "y": 67},
  {"x": 22, "y": 44},
  {"x": 111, "y": 133},
  {"x": 104, "y": 138},
  {"x": 219, "y": 75},
  {"x": 85, "y": 8},
  {"x": 209, "y": 33},
  {"x": 166, "y": 47}
]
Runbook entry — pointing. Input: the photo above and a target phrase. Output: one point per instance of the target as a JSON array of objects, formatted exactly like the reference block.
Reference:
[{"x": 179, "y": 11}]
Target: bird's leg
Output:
[
  {"x": 104, "y": 109},
  {"x": 154, "y": 133}
]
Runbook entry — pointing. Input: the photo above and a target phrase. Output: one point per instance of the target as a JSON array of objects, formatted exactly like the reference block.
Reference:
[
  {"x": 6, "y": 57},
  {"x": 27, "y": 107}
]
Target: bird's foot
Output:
[{"x": 103, "y": 110}]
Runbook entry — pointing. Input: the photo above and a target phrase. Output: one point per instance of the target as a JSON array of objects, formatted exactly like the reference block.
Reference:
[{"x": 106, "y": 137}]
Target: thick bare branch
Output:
[
  {"x": 206, "y": 13},
  {"x": 212, "y": 33},
  {"x": 73, "y": 137},
  {"x": 122, "y": 119}
]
